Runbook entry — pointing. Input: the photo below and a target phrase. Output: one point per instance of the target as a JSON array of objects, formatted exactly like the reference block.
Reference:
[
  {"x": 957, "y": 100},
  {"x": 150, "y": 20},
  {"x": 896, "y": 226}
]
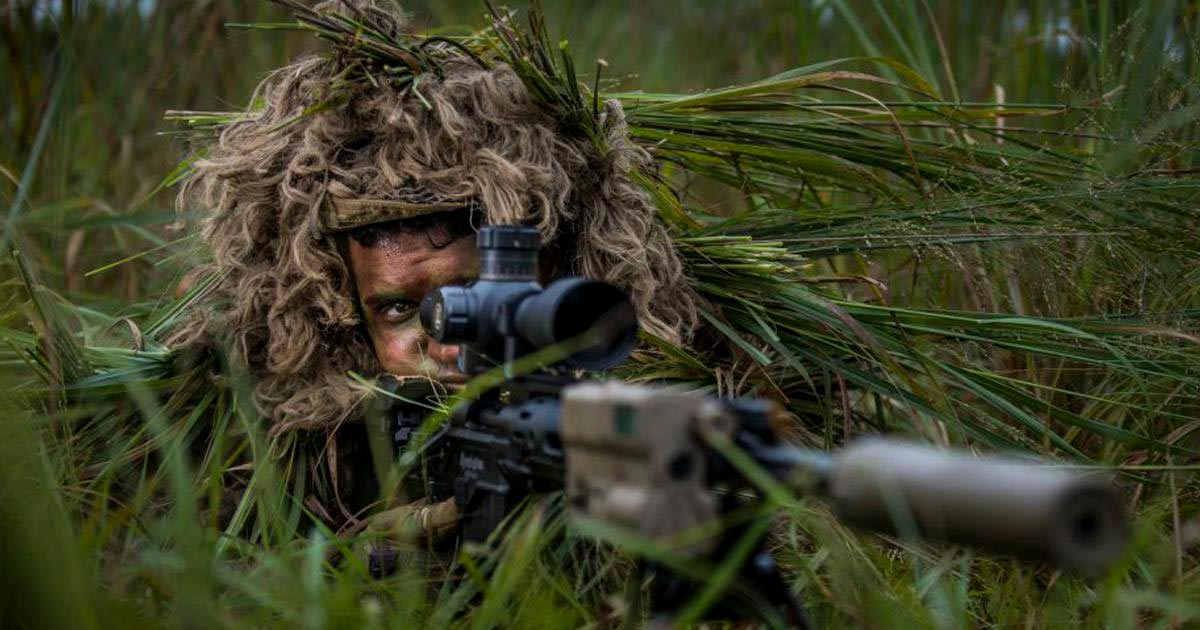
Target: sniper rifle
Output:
[{"x": 676, "y": 468}]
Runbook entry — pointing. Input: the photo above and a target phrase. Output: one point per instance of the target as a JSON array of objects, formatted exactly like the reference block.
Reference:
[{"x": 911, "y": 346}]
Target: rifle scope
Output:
[{"x": 506, "y": 314}]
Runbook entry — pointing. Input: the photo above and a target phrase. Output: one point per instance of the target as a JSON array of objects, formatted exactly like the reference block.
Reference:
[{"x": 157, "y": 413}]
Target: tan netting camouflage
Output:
[{"x": 405, "y": 202}]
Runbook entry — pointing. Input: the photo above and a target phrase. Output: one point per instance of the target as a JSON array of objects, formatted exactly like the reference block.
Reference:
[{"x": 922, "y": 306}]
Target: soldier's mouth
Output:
[
  {"x": 453, "y": 380},
  {"x": 450, "y": 381}
]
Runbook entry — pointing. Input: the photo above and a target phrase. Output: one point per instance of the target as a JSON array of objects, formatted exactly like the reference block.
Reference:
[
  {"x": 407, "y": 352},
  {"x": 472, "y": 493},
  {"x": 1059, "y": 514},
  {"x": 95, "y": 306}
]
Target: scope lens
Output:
[{"x": 431, "y": 314}]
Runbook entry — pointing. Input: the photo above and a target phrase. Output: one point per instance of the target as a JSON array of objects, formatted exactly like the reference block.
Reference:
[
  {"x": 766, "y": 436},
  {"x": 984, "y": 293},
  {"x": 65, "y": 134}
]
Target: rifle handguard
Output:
[{"x": 1074, "y": 520}]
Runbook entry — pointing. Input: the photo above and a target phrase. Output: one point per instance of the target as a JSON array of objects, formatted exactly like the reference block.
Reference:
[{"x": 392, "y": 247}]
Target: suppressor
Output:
[{"x": 1072, "y": 519}]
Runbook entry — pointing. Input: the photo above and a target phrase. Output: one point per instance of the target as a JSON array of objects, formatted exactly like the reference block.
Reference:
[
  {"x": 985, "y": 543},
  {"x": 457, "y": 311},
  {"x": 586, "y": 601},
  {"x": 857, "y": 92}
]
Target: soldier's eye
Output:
[{"x": 398, "y": 312}]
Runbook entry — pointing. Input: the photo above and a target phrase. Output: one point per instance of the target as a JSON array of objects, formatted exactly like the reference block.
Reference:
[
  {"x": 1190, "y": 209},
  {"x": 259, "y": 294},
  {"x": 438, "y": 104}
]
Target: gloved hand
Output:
[{"x": 402, "y": 536}]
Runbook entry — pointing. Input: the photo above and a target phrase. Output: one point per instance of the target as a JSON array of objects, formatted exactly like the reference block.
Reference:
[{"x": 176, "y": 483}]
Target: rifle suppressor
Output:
[{"x": 1074, "y": 520}]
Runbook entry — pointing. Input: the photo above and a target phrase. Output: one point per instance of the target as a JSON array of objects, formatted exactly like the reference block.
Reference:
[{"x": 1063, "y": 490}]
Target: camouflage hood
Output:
[{"x": 334, "y": 141}]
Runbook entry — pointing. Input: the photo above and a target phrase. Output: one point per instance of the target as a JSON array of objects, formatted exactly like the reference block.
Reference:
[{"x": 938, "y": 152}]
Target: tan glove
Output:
[
  {"x": 399, "y": 537},
  {"x": 416, "y": 523}
]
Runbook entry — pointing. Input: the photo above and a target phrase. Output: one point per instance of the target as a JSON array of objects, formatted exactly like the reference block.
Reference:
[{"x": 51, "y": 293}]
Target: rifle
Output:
[{"x": 667, "y": 465}]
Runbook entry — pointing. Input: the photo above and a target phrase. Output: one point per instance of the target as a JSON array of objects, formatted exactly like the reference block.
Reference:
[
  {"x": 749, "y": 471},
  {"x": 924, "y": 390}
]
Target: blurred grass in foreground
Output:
[{"x": 80, "y": 170}]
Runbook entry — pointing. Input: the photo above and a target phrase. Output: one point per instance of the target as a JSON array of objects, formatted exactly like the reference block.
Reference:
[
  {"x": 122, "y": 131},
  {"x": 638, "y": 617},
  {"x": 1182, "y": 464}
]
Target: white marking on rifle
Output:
[{"x": 470, "y": 463}]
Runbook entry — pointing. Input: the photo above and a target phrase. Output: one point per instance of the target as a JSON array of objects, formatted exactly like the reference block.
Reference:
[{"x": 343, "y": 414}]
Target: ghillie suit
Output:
[
  {"x": 327, "y": 150},
  {"x": 846, "y": 251}
]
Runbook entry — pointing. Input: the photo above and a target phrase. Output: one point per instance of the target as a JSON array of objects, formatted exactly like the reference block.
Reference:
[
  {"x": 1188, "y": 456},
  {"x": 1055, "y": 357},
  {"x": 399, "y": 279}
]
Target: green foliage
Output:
[{"x": 975, "y": 224}]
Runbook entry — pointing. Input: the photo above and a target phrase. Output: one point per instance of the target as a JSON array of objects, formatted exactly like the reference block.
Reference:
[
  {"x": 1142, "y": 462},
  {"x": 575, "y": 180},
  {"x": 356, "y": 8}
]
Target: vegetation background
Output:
[{"x": 1107, "y": 89}]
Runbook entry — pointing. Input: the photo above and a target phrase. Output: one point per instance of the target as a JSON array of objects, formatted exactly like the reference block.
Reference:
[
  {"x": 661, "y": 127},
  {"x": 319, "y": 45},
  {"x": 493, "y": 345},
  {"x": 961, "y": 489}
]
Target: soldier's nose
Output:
[{"x": 444, "y": 354}]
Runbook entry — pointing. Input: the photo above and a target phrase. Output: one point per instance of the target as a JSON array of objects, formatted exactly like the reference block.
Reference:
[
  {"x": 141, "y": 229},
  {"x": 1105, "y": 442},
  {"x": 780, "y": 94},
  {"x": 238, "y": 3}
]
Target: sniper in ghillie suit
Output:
[{"x": 454, "y": 325}]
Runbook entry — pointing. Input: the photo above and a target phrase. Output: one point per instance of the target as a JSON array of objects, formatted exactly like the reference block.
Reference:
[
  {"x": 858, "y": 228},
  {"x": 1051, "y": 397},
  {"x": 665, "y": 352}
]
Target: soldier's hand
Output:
[
  {"x": 417, "y": 523},
  {"x": 399, "y": 536}
]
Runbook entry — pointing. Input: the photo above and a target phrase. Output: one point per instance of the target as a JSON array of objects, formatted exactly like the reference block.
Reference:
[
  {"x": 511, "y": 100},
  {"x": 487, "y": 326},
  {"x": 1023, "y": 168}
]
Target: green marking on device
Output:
[{"x": 623, "y": 420}]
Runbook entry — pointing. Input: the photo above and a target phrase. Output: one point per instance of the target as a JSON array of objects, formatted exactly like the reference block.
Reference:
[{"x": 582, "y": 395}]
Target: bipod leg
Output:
[
  {"x": 764, "y": 581},
  {"x": 633, "y": 596},
  {"x": 759, "y": 593},
  {"x": 669, "y": 592}
]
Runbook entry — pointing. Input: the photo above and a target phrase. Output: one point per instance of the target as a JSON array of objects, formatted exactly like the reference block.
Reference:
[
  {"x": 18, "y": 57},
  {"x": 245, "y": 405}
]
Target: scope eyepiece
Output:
[{"x": 449, "y": 315}]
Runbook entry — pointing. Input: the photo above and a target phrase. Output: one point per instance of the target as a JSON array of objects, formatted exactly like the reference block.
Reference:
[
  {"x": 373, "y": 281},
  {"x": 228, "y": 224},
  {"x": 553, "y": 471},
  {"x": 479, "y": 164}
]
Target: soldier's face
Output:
[{"x": 392, "y": 276}]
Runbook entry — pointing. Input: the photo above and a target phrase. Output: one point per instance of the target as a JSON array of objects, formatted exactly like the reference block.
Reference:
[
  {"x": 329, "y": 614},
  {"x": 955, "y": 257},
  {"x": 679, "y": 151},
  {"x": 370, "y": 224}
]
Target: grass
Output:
[{"x": 971, "y": 224}]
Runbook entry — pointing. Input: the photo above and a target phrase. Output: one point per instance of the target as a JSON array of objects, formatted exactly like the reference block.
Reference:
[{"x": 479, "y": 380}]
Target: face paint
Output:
[{"x": 392, "y": 276}]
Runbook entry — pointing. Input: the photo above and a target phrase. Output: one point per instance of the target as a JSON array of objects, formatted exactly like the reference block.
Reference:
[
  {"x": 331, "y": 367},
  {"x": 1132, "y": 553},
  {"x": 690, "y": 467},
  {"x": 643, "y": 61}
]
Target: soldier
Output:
[{"x": 332, "y": 207}]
